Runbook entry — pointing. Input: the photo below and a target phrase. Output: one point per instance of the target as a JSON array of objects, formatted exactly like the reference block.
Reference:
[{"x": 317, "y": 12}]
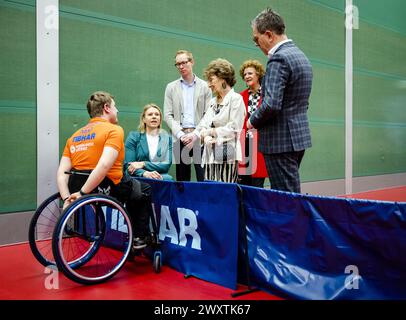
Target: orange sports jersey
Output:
[{"x": 85, "y": 146}]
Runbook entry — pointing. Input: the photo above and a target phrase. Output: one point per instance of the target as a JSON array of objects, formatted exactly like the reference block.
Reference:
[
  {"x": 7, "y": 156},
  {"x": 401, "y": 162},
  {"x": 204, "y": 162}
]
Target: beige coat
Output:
[
  {"x": 228, "y": 124},
  {"x": 173, "y": 104}
]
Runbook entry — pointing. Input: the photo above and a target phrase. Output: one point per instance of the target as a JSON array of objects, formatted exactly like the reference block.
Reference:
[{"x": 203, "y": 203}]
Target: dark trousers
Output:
[
  {"x": 248, "y": 179},
  {"x": 251, "y": 181},
  {"x": 134, "y": 193},
  {"x": 283, "y": 170},
  {"x": 183, "y": 160},
  {"x": 139, "y": 206}
]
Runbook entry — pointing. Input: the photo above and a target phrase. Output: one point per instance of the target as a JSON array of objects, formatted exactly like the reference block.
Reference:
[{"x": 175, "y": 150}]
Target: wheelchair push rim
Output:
[
  {"x": 41, "y": 229},
  {"x": 92, "y": 240}
]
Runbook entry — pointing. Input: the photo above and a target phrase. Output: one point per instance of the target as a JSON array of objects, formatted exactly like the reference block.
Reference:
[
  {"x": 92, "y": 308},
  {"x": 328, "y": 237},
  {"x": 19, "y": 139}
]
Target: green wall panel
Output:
[
  {"x": 127, "y": 48},
  {"x": 380, "y": 100},
  {"x": 379, "y": 52},
  {"x": 389, "y": 14},
  {"x": 18, "y": 159},
  {"x": 379, "y": 150},
  {"x": 379, "y": 103},
  {"x": 17, "y": 108},
  {"x": 379, "y": 142},
  {"x": 325, "y": 160}
]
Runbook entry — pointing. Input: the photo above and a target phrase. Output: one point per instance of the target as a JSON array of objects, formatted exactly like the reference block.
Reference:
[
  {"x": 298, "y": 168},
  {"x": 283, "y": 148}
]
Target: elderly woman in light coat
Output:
[{"x": 220, "y": 127}]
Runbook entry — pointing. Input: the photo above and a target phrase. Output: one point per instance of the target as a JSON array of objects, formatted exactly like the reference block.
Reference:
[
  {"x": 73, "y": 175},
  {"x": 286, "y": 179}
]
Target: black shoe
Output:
[{"x": 139, "y": 243}]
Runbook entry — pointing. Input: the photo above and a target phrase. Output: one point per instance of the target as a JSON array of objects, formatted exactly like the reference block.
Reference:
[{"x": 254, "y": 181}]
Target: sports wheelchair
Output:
[{"x": 90, "y": 240}]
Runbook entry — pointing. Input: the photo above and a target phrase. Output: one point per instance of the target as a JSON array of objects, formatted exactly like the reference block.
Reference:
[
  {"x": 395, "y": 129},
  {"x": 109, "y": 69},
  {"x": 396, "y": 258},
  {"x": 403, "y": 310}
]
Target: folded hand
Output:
[
  {"x": 209, "y": 140},
  {"x": 132, "y": 166},
  {"x": 152, "y": 175}
]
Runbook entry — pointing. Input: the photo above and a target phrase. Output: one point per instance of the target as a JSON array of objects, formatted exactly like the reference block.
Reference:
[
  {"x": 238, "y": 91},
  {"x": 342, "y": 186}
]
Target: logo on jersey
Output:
[
  {"x": 84, "y": 137},
  {"x": 104, "y": 190}
]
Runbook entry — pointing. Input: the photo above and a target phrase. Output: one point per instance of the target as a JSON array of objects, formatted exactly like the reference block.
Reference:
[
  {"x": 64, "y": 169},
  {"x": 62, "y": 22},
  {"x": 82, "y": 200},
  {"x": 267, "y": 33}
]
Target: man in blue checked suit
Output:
[{"x": 282, "y": 120}]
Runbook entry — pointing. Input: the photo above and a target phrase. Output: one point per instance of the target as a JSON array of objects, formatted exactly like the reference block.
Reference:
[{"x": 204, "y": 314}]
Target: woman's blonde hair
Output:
[
  {"x": 259, "y": 68},
  {"x": 142, "y": 124}
]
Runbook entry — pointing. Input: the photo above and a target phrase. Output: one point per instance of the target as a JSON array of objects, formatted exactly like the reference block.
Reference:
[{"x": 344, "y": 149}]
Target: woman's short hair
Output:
[
  {"x": 221, "y": 68},
  {"x": 259, "y": 68},
  {"x": 96, "y": 103},
  {"x": 142, "y": 125}
]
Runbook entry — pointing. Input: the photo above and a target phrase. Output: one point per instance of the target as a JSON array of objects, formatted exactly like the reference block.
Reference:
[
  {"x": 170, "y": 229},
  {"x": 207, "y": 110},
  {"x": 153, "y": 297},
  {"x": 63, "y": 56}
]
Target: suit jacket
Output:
[
  {"x": 173, "y": 103},
  {"x": 282, "y": 120},
  {"x": 136, "y": 149},
  {"x": 257, "y": 156}
]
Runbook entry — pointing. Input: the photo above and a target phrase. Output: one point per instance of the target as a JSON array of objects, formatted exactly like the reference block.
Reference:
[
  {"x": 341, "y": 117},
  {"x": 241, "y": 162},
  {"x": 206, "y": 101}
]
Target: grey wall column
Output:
[{"x": 47, "y": 97}]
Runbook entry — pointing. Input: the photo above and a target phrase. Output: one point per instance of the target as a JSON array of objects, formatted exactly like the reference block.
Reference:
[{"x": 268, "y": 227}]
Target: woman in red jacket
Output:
[{"x": 252, "y": 170}]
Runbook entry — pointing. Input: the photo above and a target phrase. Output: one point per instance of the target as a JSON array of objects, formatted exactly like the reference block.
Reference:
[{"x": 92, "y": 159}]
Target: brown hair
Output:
[
  {"x": 142, "y": 125},
  {"x": 96, "y": 103},
  {"x": 259, "y": 68},
  {"x": 222, "y": 69}
]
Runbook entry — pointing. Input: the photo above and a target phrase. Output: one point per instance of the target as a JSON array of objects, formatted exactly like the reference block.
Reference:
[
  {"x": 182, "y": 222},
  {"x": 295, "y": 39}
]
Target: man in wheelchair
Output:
[{"x": 94, "y": 157}]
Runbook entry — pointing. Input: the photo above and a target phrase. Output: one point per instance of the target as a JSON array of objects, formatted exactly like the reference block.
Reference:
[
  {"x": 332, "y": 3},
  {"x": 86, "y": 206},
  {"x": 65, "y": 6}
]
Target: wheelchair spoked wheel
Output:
[
  {"x": 87, "y": 228},
  {"x": 92, "y": 239},
  {"x": 42, "y": 227}
]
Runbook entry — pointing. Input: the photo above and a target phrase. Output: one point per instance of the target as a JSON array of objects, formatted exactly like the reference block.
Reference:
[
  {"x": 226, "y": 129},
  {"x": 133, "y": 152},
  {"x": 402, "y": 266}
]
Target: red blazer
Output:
[{"x": 260, "y": 162}]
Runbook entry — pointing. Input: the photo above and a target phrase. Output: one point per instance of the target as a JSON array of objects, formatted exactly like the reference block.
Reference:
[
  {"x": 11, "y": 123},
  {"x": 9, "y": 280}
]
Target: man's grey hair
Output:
[{"x": 269, "y": 20}]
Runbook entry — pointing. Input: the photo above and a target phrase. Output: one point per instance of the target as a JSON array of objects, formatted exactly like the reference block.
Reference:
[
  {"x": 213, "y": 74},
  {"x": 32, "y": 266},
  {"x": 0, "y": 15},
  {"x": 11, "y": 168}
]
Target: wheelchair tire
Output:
[
  {"x": 42, "y": 227},
  {"x": 157, "y": 261},
  {"x": 92, "y": 239}
]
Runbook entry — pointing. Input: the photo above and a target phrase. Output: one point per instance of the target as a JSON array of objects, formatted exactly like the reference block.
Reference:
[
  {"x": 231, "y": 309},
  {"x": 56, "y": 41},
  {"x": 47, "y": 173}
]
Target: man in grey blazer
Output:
[
  {"x": 282, "y": 120},
  {"x": 186, "y": 101}
]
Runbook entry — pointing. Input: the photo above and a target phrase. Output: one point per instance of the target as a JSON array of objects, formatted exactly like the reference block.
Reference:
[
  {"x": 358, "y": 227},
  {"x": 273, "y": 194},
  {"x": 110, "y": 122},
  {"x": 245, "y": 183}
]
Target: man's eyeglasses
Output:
[{"x": 182, "y": 63}]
